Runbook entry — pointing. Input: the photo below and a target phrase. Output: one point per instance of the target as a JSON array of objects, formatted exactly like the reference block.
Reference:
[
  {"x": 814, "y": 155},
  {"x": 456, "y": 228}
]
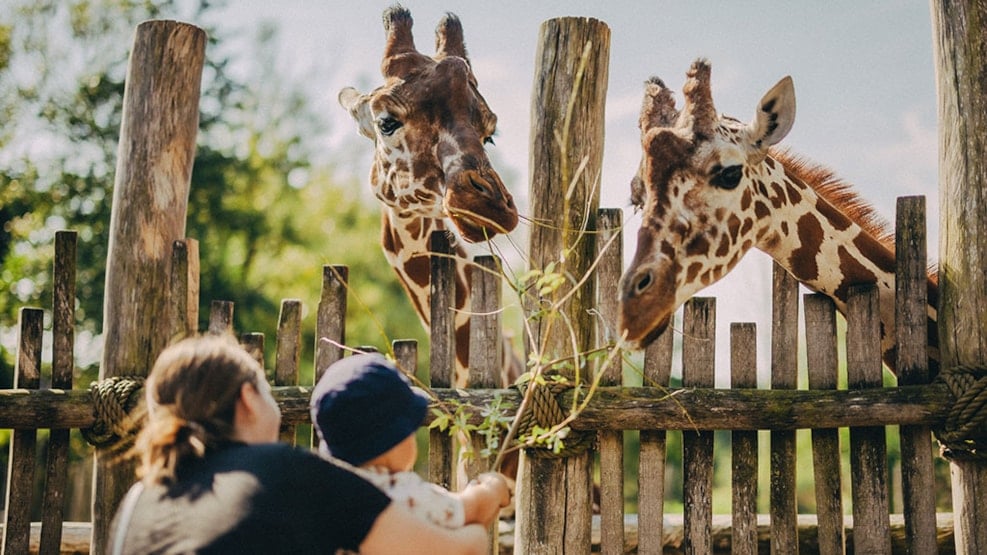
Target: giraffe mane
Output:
[{"x": 839, "y": 193}]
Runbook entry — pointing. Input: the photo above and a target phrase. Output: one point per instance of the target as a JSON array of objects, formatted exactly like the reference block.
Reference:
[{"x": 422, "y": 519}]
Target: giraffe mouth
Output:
[
  {"x": 473, "y": 227},
  {"x": 643, "y": 338},
  {"x": 655, "y": 332}
]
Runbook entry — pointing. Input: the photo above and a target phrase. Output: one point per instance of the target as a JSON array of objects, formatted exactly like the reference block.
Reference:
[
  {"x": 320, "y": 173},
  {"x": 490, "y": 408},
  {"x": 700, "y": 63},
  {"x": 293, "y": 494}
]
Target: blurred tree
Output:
[{"x": 265, "y": 217}]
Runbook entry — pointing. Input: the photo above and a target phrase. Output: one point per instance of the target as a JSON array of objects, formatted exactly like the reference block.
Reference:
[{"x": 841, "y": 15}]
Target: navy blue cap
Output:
[{"x": 363, "y": 406}]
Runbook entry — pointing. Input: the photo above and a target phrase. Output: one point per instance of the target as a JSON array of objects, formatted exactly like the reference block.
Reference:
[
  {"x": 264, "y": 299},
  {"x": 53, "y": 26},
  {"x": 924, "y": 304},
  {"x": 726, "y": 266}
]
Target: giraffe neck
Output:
[
  {"x": 406, "y": 247},
  {"x": 829, "y": 252}
]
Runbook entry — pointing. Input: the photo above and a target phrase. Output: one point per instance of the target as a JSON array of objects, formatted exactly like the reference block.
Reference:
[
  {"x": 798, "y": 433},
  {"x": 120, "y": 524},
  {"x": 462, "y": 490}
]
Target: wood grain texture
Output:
[
  {"x": 567, "y": 113},
  {"x": 960, "y": 52},
  {"x": 150, "y": 200}
]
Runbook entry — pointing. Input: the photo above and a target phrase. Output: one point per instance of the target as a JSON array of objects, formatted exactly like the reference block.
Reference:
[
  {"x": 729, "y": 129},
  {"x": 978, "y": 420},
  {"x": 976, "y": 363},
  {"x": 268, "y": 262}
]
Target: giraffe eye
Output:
[
  {"x": 388, "y": 125},
  {"x": 728, "y": 177},
  {"x": 643, "y": 283}
]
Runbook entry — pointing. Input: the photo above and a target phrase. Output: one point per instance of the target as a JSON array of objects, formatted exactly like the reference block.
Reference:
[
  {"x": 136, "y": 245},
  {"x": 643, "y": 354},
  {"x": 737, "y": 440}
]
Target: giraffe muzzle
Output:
[{"x": 480, "y": 206}]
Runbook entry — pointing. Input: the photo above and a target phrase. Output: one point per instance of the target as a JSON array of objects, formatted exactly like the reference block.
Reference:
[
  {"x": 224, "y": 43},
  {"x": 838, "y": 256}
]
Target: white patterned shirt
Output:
[{"x": 426, "y": 500}]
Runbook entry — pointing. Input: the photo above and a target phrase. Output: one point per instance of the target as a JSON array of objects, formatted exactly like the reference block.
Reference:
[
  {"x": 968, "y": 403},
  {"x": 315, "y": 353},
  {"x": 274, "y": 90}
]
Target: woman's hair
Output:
[{"x": 191, "y": 396}]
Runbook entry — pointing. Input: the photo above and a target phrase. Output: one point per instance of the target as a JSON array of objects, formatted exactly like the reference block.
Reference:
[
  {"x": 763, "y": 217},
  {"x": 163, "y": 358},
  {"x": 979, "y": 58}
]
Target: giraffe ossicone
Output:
[{"x": 711, "y": 187}]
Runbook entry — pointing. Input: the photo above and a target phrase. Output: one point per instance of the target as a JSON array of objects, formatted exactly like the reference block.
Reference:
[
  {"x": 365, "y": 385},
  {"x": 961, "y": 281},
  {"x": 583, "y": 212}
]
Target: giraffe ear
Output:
[
  {"x": 775, "y": 115},
  {"x": 358, "y": 105}
]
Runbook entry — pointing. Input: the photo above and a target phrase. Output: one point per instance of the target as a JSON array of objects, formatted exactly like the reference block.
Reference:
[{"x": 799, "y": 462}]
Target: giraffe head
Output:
[
  {"x": 702, "y": 187},
  {"x": 429, "y": 125}
]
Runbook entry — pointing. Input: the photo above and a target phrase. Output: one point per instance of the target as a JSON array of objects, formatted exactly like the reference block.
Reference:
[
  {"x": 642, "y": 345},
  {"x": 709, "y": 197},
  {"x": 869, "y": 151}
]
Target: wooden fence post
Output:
[
  {"x": 572, "y": 66},
  {"x": 611, "y": 443},
  {"x": 442, "y": 352},
  {"x": 21, "y": 461},
  {"x": 331, "y": 318},
  {"x": 868, "y": 445},
  {"x": 698, "y": 370},
  {"x": 959, "y": 46},
  {"x": 784, "y": 375},
  {"x": 911, "y": 327},
  {"x": 62, "y": 367},
  {"x": 150, "y": 200}
]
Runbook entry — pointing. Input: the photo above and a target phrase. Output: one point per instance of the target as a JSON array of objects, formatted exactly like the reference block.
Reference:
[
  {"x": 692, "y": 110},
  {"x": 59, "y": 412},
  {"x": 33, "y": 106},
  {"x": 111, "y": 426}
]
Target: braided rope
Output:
[
  {"x": 964, "y": 433},
  {"x": 544, "y": 411},
  {"x": 114, "y": 400}
]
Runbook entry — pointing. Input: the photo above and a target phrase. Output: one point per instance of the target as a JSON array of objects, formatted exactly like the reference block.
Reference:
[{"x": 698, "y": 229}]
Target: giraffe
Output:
[
  {"x": 711, "y": 187},
  {"x": 430, "y": 124}
]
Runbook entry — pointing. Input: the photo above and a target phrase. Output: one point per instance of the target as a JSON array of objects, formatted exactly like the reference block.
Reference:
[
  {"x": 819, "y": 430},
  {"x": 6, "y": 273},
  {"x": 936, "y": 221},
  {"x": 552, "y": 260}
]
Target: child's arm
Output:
[{"x": 484, "y": 497}]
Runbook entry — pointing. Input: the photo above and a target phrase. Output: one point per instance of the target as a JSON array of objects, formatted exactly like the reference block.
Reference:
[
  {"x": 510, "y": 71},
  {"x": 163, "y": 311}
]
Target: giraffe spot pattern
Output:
[
  {"x": 803, "y": 258},
  {"x": 854, "y": 273}
]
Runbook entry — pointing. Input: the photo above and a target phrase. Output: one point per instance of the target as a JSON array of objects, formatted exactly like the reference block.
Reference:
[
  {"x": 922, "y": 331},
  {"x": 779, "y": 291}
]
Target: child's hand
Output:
[
  {"x": 484, "y": 497},
  {"x": 496, "y": 482}
]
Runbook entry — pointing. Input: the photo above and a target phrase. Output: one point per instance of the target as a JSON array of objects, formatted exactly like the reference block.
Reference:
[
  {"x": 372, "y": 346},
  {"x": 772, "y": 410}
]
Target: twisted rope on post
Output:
[
  {"x": 544, "y": 411},
  {"x": 114, "y": 401},
  {"x": 964, "y": 433}
]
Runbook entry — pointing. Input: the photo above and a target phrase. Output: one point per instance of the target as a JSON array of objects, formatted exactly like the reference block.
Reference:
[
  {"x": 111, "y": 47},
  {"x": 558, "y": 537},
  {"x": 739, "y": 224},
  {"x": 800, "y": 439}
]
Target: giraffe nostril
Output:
[{"x": 480, "y": 186}]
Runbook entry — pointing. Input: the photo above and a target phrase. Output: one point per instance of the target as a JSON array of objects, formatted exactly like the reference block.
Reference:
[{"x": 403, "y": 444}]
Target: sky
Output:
[{"x": 863, "y": 73}]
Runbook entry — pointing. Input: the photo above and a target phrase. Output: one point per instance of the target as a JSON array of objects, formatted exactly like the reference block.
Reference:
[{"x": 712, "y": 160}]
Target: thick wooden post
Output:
[
  {"x": 567, "y": 108},
  {"x": 150, "y": 200},
  {"x": 960, "y": 49}
]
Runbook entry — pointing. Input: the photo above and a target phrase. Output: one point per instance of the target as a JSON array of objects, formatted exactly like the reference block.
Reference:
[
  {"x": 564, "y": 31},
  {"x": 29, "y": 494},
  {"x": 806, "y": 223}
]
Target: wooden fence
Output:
[{"x": 695, "y": 408}]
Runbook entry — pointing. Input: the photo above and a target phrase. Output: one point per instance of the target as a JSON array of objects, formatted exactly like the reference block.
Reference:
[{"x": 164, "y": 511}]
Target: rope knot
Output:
[
  {"x": 545, "y": 412},
  {"x": 114, "y": 401},
  {"x": 963, "y": 435}
]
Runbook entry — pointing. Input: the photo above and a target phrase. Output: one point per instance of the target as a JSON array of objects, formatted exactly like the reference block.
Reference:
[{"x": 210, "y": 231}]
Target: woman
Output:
[{"x": 215, "y": 480}]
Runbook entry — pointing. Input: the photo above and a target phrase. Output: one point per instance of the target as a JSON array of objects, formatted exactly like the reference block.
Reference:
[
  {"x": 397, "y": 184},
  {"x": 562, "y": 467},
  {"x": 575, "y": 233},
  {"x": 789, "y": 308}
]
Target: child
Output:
[{"x": 365, "y": 413}]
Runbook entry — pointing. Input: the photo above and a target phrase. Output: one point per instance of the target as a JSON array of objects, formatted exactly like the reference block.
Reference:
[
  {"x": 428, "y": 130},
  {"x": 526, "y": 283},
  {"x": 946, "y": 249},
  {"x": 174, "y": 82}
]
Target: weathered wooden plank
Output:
[
  {"x": 184, "y": 286},
  {"x": 784, "y": 375},
  {"x": 406, "y": 356},
  {"x": 486, "y": 352},
  {"x": 651, "y": 463},
  {"x": 442, "y": 361},
  {"x": 823, "y": 366},
  {"x": 868, "y": 449},
  {"x": 911, "y": 317},
  {"x": 486, "y": 346},
  {"x": 698, "y": 370},
  {"x": 611, "y": 443},
  {"x": 624, "y": 408},
  {"x": 253, "y": 343},
  {"x": 221, "y": 317},
  {"x": 288, "y": 356},
  {"x": 330, "y": 324},
  {"x": 62, "y": 366},
  {"x": 743, "y": 372},
  {"x": 21, "y": 462}
]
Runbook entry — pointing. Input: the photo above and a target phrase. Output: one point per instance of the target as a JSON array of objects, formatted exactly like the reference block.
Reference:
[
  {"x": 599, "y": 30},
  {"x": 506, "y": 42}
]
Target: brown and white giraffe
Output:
[
  {"x": 710, "y": 188},
  {"x": 429, "y": 125}
]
